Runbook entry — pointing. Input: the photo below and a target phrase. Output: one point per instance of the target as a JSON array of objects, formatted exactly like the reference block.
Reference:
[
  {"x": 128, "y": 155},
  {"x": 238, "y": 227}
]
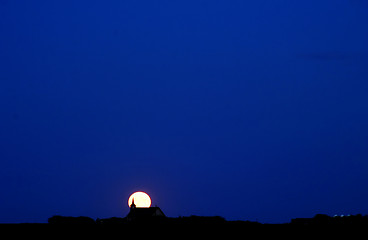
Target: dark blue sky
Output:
[{"x": 244, "y": 109}]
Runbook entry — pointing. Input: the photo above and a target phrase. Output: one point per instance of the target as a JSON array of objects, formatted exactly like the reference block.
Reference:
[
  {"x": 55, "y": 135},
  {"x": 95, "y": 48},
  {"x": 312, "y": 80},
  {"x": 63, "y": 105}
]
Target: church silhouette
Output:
[{"x": 144, "y": 213}]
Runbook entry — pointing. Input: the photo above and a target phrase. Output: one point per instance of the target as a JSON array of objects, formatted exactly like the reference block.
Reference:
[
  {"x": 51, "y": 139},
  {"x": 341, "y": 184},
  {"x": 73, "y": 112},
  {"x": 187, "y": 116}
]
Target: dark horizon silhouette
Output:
[{"x": 318, "y": 219}]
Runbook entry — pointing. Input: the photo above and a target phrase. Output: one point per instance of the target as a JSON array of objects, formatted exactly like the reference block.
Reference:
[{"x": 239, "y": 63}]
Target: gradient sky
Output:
[{"x": 251, "y": 110}]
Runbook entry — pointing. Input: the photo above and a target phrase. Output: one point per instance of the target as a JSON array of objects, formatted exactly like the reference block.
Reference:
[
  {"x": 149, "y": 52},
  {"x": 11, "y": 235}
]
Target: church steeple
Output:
[{"x": 132, "y": 205}]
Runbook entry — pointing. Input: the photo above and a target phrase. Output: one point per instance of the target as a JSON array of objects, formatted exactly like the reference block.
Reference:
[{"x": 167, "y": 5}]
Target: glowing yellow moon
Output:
[{"x": 141, "y": 200}]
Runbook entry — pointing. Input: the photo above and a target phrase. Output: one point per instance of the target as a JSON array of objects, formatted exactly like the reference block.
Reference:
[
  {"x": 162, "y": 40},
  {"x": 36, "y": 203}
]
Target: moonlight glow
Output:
[{"x": 141, "y": 200}]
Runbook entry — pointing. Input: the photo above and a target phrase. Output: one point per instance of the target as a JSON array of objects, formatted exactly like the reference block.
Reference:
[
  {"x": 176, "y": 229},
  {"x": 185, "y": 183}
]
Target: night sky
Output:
[{"x": 251, "y": 110}]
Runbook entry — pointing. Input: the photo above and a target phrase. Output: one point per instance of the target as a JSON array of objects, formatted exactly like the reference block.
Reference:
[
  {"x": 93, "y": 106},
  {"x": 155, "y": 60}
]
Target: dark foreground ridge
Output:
[
  {"x": 150, "y": 220},
  {"x": 319, "y": 219}
]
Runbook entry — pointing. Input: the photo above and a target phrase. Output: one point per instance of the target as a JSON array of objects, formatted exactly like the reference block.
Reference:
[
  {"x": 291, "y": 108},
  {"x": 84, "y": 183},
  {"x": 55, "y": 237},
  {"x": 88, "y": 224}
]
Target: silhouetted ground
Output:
[
  {"x": 322, "y": 219},
  {"x": 319, "y": 219}
]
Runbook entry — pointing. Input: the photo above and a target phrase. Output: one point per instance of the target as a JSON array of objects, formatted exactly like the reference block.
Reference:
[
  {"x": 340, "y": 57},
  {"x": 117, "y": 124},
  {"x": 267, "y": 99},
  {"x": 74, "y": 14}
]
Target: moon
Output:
[{"x": 141, "y": 200}]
